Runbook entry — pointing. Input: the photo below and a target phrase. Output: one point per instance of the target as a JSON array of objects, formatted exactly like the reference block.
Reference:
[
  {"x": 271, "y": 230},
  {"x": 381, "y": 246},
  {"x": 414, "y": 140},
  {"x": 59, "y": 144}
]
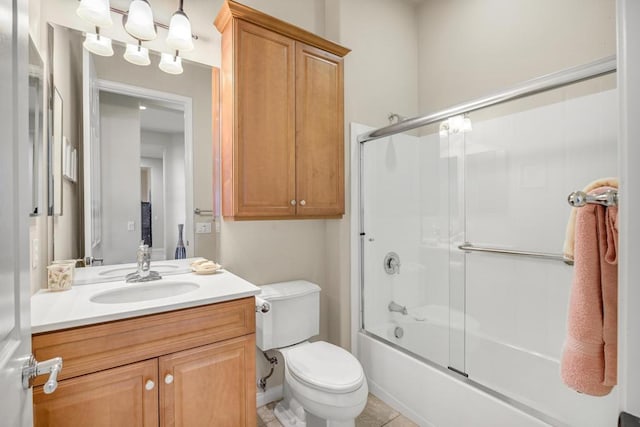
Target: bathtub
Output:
[{"x": 406, "y": 358}]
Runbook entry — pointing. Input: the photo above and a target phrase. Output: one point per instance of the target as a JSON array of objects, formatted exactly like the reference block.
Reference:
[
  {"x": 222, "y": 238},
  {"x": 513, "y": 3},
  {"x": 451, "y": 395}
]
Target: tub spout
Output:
[{"x": 395, "y": 307}]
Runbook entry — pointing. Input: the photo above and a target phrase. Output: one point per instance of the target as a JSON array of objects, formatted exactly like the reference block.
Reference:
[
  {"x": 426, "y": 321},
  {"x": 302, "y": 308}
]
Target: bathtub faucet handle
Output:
[{"x": 392, "y": 263}]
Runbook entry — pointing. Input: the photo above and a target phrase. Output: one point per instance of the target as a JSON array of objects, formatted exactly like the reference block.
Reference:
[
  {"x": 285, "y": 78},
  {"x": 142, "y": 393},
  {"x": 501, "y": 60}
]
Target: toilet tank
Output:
[{"x": 293, "y": 317}]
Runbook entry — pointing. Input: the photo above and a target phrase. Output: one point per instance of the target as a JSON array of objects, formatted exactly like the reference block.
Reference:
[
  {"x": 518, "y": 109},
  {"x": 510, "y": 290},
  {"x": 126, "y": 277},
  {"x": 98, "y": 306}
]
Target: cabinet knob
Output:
[
  {"x": 293, "y": 203},
  {"x": 149, "y": 385},
  {"x": 302, "y": 202},
  {"x": 168, "y": 379}
]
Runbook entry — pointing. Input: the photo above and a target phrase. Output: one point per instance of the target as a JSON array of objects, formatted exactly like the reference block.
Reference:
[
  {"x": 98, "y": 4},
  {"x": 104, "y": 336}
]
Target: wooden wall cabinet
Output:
[
  {"x": 192, "y": 367},
  {"x": 282, "y": 149}
]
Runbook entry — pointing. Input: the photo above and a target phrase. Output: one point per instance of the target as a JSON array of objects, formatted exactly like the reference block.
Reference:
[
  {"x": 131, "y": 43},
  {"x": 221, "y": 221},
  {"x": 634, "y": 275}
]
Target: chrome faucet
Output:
[
  {"x": 395, "y": 307},
  {"x": 144, "y": 272},
  {"x": 91, "y": 261}
]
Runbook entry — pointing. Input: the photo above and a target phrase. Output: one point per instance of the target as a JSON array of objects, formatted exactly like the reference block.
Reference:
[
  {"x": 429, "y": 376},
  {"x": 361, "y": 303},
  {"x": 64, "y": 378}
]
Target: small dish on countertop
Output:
[{"x": 205, "y": 266}]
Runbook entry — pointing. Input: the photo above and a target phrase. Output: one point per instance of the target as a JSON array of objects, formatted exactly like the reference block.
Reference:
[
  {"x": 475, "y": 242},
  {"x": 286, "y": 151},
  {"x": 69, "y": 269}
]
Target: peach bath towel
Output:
[
  {"x": 589, "y": 359},
  {"x": 570, "y": 234}
]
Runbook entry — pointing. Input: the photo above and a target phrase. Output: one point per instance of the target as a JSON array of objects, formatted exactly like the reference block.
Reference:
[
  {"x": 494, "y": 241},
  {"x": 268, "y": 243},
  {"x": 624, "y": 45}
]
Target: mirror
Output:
[
  {"x": 139, "y": 136},
  {"x": 36, "y": 128}
]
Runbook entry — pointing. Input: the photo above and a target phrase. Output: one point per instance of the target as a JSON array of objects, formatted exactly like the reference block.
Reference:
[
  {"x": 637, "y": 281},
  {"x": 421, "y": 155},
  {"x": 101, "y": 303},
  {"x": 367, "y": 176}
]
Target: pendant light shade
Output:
[
  {"x": 136, "y": 54},
  {"x": 97, "y": 12},
  {"x": 171, "y": 64},
  {"x": 138, "y": 22},
  {"x": 98, "y": 44},
  {"x": 179, "y": 37}
]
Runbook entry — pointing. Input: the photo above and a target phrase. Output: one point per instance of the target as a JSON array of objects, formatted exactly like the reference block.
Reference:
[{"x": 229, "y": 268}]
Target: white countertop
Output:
[
  {"x": 52, "y": 311},
  {"x": 116, "y": 272}
]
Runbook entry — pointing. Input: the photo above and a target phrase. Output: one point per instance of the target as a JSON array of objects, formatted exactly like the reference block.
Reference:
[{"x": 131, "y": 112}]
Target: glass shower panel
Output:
[
  {"x": 522, "y": 159},
  {"x": 405, "y": 196}
]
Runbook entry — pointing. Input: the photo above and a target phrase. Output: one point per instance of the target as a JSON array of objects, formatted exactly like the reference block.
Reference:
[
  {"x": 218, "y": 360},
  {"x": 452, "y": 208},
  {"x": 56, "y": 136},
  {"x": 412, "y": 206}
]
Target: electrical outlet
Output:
[
  {"x": 203, "y": 227},
  {"x": 131, "y": 226}
]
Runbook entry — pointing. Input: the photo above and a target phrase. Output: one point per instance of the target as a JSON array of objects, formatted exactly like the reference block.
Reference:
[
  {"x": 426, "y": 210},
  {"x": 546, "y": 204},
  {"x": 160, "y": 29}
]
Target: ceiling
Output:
[{"x": 158, "y": 118}]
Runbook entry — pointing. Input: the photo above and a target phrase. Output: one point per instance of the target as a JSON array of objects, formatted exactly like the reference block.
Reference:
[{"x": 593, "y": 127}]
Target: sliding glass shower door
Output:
[{"x": 493, "y": 179}]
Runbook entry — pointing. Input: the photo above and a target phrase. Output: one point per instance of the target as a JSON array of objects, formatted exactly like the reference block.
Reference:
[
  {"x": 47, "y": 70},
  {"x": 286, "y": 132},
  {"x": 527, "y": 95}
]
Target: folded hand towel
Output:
[
  {"x": 570, "y": 233},
  {"x": 589, "y": 359}
]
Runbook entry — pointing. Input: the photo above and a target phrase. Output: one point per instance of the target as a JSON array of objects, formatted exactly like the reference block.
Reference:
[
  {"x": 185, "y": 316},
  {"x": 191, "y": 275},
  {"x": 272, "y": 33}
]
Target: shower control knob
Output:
[
  {"x": 293, "y": 203},
  {"x": 302, "y": 202}
]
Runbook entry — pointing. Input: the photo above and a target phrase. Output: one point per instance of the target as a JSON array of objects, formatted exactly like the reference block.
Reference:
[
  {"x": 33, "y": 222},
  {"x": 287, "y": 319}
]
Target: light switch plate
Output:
[
  {"x": 203, "y": 227},
  {"x": 131, "y": 226}
]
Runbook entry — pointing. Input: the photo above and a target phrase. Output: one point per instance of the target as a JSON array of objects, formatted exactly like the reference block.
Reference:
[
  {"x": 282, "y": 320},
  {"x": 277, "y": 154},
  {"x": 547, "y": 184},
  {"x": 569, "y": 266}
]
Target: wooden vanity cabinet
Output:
[
  {"x": 191, "y": 367},
  {"x": 282, "y": 150}
]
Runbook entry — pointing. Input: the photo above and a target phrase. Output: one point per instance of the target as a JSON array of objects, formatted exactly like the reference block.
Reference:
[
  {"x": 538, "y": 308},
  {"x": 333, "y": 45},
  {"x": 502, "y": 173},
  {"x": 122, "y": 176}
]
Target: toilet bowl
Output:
[
  {"x": 324, "y": 385},
  {"x": 327, "y": 381}
]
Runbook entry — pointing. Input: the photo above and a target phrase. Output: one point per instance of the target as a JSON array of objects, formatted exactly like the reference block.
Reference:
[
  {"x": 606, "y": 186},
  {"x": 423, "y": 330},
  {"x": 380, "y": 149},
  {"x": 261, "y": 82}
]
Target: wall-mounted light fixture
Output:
[{"x": 138, "y": 23}]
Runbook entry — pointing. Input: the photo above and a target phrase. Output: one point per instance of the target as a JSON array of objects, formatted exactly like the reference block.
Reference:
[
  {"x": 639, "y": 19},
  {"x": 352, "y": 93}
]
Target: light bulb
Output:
[
  {"x": 97, "y": 12},
  {"x": 138, "y": 22},
  {"x": 179, "y": 37},
  {"x": 136, "y": 54},
  {"x": 171, "y": 64},
  {"x": 100, "y": 45}
]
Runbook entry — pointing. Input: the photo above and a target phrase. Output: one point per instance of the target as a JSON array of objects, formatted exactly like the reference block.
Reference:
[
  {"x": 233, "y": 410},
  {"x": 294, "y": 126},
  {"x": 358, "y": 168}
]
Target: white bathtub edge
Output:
[{"x": 429, "y": 396}]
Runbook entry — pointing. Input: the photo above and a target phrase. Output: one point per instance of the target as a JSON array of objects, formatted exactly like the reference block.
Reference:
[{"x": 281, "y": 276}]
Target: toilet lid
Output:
[{"x": 325, "y": 367}]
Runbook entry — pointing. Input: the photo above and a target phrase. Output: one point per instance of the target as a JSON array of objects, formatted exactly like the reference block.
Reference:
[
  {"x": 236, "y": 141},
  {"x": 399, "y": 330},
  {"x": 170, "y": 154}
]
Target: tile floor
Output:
[{"x": 375, "y": 414}]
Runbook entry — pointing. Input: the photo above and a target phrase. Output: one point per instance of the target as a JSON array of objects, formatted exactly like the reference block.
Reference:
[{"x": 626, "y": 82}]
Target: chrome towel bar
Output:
[
  {"x": 468, "y": 247},
  {"x": 578, "y": 199}
]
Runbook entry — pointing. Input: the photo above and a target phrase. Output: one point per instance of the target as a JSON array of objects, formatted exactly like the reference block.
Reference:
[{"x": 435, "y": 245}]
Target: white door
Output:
[{"x": 15, "y": 326}]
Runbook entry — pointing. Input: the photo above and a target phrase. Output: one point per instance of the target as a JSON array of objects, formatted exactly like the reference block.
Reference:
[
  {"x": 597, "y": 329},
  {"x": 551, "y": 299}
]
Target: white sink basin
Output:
[
  {"x": 136, "y": 292},
  {"x": 123, "y": 271}
]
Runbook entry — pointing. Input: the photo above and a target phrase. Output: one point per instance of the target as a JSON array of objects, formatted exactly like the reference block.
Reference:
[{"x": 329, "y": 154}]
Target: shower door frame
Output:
[{"x": 598, "y": 68}]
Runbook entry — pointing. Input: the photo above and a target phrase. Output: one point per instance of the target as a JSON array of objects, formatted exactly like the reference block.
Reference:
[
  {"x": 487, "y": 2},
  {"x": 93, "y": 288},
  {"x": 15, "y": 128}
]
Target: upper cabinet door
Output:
[
  {"x": 264, "y": 156},
  {"x": 320, "y": 132}
]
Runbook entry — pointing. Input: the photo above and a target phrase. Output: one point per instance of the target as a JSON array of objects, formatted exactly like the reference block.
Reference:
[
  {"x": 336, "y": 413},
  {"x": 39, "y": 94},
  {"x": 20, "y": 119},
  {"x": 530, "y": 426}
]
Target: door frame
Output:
[{"x": 628, "y": 28}]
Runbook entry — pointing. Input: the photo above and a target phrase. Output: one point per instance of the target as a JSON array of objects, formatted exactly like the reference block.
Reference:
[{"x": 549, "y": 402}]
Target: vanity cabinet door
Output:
[
  {"x": 320, "y": 132},
  {"x": 124, "y": 396},
  {"x": 213, "y": 385}
]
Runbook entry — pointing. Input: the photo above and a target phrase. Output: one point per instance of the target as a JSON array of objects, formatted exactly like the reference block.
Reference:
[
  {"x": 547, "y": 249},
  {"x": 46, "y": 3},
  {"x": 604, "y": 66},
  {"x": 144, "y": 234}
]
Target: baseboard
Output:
[{"x": 271, "y": 394}]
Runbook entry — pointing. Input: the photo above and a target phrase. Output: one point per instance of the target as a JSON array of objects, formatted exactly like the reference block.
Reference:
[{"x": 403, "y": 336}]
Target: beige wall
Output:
[{"x": 470, "y": 48}]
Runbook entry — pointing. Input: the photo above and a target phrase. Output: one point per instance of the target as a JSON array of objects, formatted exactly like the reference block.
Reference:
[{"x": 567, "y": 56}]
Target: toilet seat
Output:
[{"x": 324, "y": 367}]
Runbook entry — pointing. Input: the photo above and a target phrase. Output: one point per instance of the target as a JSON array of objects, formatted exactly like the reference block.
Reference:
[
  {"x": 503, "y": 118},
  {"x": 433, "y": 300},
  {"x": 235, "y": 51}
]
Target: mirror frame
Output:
[
  {"x": 55, "y": 153},
  {"x": 37, "y": 127}
]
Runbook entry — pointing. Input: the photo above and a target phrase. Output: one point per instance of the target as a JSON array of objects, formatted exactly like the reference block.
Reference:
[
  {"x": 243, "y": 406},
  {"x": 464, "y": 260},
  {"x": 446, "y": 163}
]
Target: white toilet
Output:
[{"x": 324, "y": 384}]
